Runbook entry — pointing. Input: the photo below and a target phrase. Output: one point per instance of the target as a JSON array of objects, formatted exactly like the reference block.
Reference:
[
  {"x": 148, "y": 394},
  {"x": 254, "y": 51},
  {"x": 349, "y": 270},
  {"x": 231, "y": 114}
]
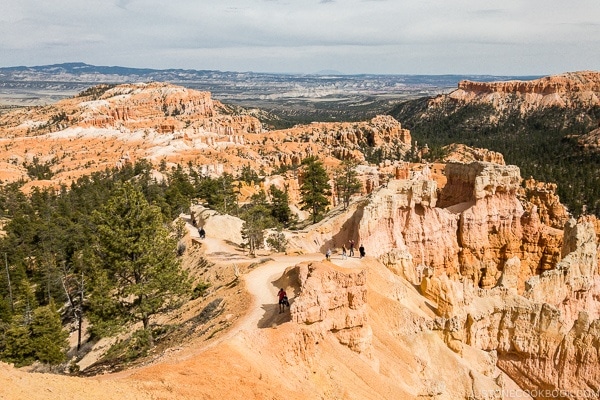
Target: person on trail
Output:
[
  {"x": 283, "y": 300},
  {"x": 328, "y": 254},
  {"x": 344, "y": 255},
  {"x": 351, "y": 248},
  {"x": 201, "y": 233},
  {"x": 361, "y": 250}
]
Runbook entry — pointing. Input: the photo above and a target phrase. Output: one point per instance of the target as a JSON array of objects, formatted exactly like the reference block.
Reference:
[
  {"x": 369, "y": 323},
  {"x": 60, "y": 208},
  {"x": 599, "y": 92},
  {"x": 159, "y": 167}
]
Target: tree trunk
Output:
[
  {"x": 80, "y": 321},
  {"x": 146, "y": 322},
  {"x": 12, "y": 304}
]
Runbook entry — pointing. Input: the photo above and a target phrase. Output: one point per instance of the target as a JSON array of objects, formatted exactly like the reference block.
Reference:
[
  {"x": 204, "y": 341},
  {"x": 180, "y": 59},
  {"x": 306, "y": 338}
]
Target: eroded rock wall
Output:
[
  {"x": 565, "y": 90},
  {"x": 335, "y": 302},
  {"x": 501, "y": 280},
  {"x": 546, "y": 339}
]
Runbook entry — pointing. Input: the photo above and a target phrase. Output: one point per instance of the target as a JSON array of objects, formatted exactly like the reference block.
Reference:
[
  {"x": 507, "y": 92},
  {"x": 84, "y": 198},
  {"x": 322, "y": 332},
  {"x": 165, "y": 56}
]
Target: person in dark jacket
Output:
[{"x": 283, "y": 300}]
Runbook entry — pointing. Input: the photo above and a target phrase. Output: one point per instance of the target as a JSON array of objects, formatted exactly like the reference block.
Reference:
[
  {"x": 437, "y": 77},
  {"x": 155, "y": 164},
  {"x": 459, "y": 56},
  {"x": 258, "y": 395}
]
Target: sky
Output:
[{"x": 508, "y": 37}]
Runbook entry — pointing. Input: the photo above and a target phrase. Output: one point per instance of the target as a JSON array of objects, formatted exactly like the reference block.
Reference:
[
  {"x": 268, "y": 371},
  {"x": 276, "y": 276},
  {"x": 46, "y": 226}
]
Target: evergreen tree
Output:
[
  {"x": 249, "y": 175},
  {"x": 257, "y": 217},
  {"x": 219, "y": 194},
  {"x": 17, "y": 347},
  {"x": 36, "y": 338},
  {"x": 49, "y": 339},
  {"x": 180, "y": 191},
  {"x": 280, "y": 206},
  {"x": 315, "y": 188},
  {"x": 137, "y": 271},
  {"x": 278, "y": 240},
  {"x": 346, "y": 181}
]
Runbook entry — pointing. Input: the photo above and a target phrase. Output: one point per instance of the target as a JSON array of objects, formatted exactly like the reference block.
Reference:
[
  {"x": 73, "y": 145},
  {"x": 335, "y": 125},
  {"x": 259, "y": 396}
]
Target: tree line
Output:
[
  {"x": 542, "y": 143},
  {"x": 105, "y": 248}
]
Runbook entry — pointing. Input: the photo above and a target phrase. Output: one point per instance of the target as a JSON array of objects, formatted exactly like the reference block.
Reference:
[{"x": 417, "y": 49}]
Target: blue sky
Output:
[{"x": 509, "y": 37}]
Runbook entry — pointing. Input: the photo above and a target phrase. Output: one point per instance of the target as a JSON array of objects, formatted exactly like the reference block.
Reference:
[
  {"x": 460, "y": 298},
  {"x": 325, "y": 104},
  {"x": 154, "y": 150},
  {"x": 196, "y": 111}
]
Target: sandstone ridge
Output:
[{"x": 565, "y": 90}]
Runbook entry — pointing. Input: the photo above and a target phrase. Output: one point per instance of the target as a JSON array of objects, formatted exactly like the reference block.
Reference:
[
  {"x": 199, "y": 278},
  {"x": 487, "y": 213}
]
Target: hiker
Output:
[
  {"x": 201, "y": 233},
  {"x": 328, "y": 254},
  {"x": 344, "y": 255},
  {"x": 351, "y": 248},
  {"x": 361, "y": 250},
  {"x": 283, "y": 300}
]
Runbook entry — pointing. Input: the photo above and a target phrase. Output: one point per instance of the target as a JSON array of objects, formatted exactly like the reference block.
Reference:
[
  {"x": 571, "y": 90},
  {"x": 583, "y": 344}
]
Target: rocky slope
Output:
[
  {"x": 354, "y": 331},
  {"x": 468, "y": 228},
  {"x": 545, "y": 126},
  {"x": 108, "y": 126},
  {"x": 501, "y": 280},
  {"x": 591, "y": 140},
  {"x": 471, "y": 279}
]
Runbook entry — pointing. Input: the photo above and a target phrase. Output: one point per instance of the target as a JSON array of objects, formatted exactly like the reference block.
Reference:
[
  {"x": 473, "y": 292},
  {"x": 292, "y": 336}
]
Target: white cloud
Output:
[{"x": 353, "y": 36}]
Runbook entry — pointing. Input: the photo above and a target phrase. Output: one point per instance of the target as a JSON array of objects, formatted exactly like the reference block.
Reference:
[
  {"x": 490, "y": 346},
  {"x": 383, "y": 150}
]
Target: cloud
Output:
[
  {"x": 122, "y": 3},
  {"x": 282, "y": 35}
]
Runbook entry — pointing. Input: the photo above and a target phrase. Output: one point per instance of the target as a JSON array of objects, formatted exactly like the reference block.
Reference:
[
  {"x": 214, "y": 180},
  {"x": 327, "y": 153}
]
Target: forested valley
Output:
[
  {"x": 107, "y": 249},
  {"x": 542, "y": 143}
]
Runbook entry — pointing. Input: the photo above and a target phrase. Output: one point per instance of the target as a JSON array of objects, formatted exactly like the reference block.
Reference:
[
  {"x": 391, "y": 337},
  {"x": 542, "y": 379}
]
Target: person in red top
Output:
[{"x": 283, "y": 300}]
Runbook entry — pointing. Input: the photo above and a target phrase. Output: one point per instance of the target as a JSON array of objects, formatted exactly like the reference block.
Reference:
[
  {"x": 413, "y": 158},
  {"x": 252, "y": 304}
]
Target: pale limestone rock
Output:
[
  {"x": 541, "y": 246},
  {"x": 510, "y": 274},
  {"x": 547, "y": 204},
  {"x": 465, "y": 154},
  {"x": 334, "y": 301},
  {"x": 544, "y": 341},
  {"x": 570, "y": 285},
  {"x": 478, "y": 180},
  {"x": 566, "y": 90},
  {"x": 216, "y": 225}
]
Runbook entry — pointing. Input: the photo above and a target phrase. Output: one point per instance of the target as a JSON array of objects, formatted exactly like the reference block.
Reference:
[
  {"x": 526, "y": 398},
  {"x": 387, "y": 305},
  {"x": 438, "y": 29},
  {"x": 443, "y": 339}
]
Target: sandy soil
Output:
[
  {"x": 262, "y": 355},
  {"x": 200, "y": 369}
]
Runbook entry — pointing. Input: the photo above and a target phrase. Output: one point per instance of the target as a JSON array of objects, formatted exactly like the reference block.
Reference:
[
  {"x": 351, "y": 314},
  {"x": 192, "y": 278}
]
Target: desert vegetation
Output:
[
  {"x": 58, "y": 245},
  {"x": 104, "y": 249}
]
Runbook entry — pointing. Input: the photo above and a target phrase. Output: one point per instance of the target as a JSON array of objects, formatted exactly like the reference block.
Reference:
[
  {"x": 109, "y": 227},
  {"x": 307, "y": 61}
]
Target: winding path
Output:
[{"x": 260, "y": 282}]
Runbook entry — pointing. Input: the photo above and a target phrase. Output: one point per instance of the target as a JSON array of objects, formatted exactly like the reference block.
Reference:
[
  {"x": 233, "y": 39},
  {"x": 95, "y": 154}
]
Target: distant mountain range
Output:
[
  {"x": 46, "y": 83},
  {"x": 78, "y": 71}
]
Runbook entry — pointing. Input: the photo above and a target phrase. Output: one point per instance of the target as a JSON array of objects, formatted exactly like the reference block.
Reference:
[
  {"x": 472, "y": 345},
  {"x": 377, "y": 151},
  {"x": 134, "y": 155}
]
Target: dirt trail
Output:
[
  {"x": 236, "y": 358},
  {"x": 260, "y": 282}
]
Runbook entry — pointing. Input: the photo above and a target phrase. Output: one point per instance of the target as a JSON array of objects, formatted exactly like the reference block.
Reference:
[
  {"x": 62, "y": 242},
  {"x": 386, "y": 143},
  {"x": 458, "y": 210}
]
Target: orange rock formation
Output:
[
  {"x": 158, "y": 121},
  {"x": 565, "y": 90}
]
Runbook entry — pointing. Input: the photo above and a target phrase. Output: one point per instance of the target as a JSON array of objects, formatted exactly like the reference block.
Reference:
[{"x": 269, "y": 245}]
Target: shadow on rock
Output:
[{"x": 272, "y": 317}]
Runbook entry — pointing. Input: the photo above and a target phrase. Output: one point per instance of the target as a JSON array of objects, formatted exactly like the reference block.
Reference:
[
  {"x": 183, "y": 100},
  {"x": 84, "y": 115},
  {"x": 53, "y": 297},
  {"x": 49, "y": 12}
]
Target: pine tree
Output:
[
  {"x": 346, "y": 181},
  {"x": 36, "y": 338},
  {"x": 315, "y": 188},
  {"x": 257, "y": 217},
  {"x": 249, "y": 175},
  {"x": 17, "y": 347},
  {"x": 49, "y": 339},
  {"x": 219, "y": 194},
  {"x": 137, "y": 272},
  {"x": 280, "y": 206}
]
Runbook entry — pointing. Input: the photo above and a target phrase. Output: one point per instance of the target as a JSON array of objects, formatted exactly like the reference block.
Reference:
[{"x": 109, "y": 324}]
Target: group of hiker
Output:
[
  {"x": 282, "y": 295},
  {"x": 348, "y": 251}
]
